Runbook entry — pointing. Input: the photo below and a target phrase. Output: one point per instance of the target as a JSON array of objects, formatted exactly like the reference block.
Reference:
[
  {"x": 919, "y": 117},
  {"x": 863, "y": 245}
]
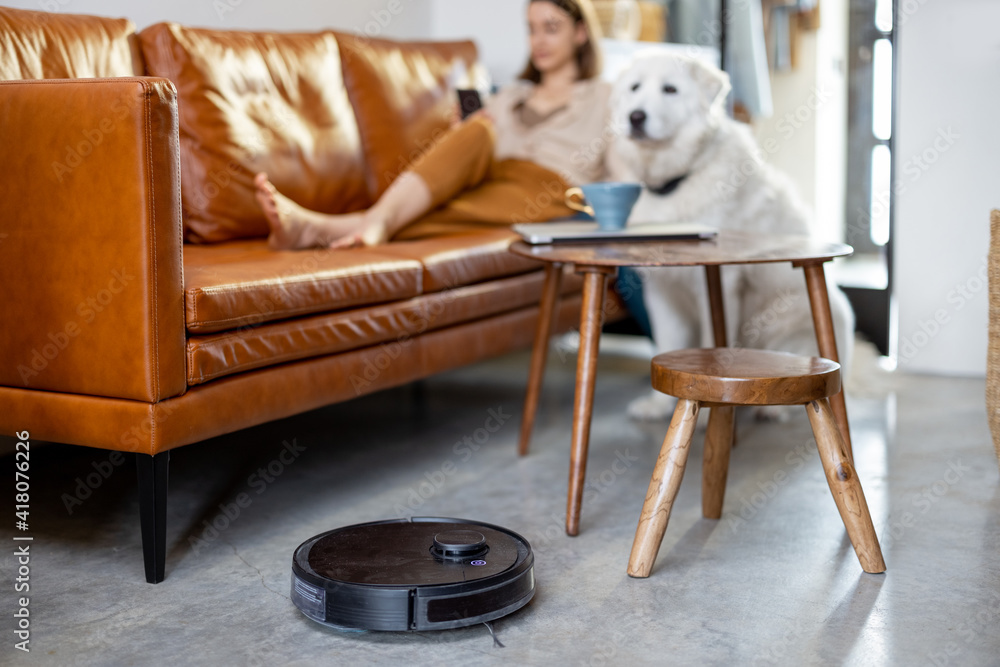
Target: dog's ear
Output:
[{"x": 712, "y": 82}]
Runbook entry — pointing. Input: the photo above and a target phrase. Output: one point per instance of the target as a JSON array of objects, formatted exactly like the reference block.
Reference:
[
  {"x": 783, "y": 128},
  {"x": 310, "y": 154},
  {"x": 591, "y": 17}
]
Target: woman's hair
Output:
[{"x": 588, "y": 56}]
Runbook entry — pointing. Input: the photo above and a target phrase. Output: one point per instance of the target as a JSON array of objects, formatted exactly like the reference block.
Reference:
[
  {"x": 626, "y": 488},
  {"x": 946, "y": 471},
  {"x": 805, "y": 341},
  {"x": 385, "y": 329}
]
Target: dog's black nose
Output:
[{"x": 637, "y": 118}]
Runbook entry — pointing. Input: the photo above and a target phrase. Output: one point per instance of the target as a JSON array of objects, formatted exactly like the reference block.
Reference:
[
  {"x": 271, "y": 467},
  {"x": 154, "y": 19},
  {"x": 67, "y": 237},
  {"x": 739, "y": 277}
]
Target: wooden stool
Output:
[{"x": 723, "y": 377}]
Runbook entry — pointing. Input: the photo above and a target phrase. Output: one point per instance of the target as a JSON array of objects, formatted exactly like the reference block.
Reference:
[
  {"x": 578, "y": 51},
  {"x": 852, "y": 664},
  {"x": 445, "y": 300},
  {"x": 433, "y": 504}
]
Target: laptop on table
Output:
[{"x": 575, "y": 231}]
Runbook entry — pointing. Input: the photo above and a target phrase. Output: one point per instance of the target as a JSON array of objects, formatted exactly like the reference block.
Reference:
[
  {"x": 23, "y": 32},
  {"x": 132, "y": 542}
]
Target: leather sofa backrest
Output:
[
  {"x": 251, "y": 102},
  {"x": 44, "y": 45},
  {"x": 402, "y": 96},
  {"x": 331, "y": 117}
]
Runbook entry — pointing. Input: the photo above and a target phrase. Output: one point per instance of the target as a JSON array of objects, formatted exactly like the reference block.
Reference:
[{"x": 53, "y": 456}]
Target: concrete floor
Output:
[{"x": 774, "y": 582}]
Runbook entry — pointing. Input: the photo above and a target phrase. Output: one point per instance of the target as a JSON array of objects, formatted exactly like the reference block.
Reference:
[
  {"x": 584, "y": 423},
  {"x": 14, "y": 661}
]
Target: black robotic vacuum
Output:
[{"x": 412, "y": 574}]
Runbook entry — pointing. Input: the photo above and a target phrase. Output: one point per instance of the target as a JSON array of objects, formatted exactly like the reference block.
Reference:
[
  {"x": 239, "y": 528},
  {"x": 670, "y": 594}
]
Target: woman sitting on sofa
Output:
[{"x": 512, "y": 163}]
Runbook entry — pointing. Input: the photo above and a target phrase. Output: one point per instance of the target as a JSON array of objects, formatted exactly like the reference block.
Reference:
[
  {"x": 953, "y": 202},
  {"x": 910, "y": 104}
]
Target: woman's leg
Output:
[
  {"x": 461, "y": 160},
  {"x": 516, "y": 191}
]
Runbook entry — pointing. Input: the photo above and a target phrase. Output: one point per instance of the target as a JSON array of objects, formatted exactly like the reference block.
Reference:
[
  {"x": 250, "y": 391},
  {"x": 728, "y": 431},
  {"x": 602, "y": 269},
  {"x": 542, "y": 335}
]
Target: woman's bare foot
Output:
[
  {"x": 408, "y": 198},
  {"x": 294, "y": 227},
  {"x": 371, "y": 232}
]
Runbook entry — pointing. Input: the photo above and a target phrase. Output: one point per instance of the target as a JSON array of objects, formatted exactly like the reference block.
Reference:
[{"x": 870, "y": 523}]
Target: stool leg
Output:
[
  {"x": 667, "y": 476},
  {"x": 713, "y": 278},
  {"x": 845, "y": 486},
  {"x": 715, "y": 469}
]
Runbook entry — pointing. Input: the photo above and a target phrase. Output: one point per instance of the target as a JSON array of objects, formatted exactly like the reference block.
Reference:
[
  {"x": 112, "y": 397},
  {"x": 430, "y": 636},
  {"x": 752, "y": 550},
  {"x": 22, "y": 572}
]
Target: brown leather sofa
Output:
[{"x": 142, "y": 309}]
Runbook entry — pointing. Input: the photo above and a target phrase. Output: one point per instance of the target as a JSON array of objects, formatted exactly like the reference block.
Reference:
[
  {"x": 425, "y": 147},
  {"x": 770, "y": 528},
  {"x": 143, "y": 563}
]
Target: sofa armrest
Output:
[{"x": 91, "y": 275}]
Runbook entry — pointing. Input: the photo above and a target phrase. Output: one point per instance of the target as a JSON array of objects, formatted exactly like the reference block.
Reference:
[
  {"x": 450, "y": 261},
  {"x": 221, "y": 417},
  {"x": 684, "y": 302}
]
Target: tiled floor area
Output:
[{"x": 774, "y": 582}]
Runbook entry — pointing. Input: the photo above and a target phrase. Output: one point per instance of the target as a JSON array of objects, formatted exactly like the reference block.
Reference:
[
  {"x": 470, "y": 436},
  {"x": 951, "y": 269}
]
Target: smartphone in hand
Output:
[{"x": 469, "y": 102}]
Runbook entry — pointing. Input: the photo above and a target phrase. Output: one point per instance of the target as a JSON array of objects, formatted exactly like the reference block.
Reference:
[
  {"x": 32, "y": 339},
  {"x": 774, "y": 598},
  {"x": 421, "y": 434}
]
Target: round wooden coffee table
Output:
[{"x": 600, "y": 261}]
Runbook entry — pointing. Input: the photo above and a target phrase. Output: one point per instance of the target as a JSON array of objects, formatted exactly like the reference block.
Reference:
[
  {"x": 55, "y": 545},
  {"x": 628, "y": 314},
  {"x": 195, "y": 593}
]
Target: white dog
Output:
[{"x": 699, "y": 165}]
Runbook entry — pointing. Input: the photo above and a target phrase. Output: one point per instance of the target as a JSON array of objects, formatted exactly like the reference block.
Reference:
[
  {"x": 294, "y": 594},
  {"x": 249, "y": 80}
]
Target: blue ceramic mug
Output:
[{"x": 608, "y": 203}]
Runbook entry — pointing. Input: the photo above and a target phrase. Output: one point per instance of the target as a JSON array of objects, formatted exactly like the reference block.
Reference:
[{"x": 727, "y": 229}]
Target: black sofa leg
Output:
[{"x": 153, "y": 512}]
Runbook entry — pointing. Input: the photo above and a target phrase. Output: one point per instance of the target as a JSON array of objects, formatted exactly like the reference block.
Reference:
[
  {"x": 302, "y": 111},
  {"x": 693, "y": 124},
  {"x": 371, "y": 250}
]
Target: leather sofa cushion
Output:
[
  {"x": 251, "y": 102},
  {"x": 241, "y": 283},
  {"x": 403, "y": 94},
  {"x": 51, "y": 45},
  {"x": 463, "y": 259},
  {"x": 391, "y": 325},
  {"x": 245, "y": 283}
]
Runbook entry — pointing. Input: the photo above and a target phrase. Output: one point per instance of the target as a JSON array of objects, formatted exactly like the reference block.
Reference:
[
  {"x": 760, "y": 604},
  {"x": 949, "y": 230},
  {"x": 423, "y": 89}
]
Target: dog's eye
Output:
[
  {"x": 635, "y": 87},
  {"x": 669, "y": 89}
]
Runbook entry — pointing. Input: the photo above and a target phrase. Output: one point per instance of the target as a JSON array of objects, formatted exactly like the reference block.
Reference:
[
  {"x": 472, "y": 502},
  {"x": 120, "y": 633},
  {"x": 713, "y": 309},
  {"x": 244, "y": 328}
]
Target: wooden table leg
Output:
[
  {"x": 540, "y": 352},
  {"x": 819, "y": 301},
  {"x": 595, "y": 282},
  {"x": 713, "y": 276}
]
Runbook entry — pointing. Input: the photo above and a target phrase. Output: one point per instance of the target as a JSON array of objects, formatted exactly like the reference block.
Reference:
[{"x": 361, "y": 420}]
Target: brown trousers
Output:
[{"x": 471, "y": 190}]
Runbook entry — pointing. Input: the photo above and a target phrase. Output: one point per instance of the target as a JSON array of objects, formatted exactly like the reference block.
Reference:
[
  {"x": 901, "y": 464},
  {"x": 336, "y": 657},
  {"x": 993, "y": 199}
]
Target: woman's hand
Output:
[{"x": 481, "y": 113}]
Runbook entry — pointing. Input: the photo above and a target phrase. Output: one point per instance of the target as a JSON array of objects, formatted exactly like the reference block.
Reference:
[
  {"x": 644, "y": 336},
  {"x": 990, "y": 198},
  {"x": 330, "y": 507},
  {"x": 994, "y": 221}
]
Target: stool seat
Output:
[
  {"x": 738, "y": 376},
  {"x": 721, "y": 378}
]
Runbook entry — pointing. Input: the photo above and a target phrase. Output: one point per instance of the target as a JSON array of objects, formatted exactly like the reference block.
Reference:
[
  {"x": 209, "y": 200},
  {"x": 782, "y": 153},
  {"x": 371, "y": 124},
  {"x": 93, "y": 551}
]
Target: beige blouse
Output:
[{"x": 572, "y": 141}]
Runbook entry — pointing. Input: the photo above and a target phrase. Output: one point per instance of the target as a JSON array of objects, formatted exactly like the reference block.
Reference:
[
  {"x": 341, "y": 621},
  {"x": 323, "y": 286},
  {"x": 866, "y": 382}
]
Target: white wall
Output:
[
  {"x": 948, "y": 81},
  {"x": 499, "y": 28},
  {"x": 792, "y": 128},
  {"x": 390, "y": 18},
  {"x": 809, "y": 125},
  {"x": 831, "y": 120}
]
